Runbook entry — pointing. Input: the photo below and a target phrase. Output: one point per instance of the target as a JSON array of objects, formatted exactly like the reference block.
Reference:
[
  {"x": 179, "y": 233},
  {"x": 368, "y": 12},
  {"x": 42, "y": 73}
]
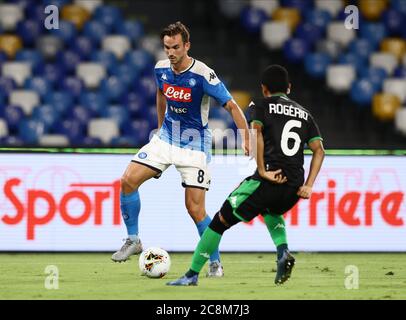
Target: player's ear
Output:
[
  {"x": 290, "y": 86},
  {"x": 265, "y": 90},
  {"x": 187, "y": 46}
]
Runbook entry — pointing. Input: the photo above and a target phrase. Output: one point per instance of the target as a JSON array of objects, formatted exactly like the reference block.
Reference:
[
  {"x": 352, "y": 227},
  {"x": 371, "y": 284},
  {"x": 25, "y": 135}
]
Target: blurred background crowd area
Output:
[{"x": 90, "y": 82}]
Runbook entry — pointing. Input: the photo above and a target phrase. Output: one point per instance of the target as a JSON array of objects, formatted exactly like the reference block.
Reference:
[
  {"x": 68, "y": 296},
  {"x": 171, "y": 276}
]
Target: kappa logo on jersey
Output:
[
  {"x": 178, "y": 94},
  {"x": 164, "y": 77},
  {"x": 212, "y": 76}
]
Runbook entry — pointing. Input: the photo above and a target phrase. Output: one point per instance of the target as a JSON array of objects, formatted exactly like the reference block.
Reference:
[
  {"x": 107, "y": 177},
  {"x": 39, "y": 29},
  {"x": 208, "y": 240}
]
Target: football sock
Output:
[
  {"x": 276, "y": 227},
  {"x": 130, "y": 205},
  {"x": 207, "y": 245},
  {"x": 201, "y": 227}
]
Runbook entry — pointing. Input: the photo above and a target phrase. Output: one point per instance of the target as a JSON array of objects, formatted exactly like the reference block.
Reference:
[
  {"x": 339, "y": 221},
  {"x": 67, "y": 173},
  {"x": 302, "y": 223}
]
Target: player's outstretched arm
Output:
[
  {"x": 317, "y": 148},
  {"x": 241, "y": 123},
  {"x": 160, "y": 106}
]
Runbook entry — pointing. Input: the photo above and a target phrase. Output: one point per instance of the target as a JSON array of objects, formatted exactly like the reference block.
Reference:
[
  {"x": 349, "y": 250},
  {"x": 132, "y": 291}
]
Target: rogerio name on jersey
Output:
[{"x": 288, "y": 110}]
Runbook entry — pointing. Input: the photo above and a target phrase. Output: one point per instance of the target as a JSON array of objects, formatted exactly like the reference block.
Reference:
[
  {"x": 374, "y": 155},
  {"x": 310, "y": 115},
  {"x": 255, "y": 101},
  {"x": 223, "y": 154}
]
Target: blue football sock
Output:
[
  {"x": 201, "y": 226},
  {"x": 130, "y": 205}
]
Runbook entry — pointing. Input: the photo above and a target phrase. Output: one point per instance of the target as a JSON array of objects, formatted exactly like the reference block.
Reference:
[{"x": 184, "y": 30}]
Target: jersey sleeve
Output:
[
  {"x": 314, "y": 131},
  {"x": 256, "y": 113},
  {"x": 213, "y": 87}
]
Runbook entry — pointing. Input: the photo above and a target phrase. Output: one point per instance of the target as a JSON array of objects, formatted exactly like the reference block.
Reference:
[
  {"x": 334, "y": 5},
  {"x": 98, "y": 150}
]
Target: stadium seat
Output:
[
  {"x": 91, "y": 73},
  {"x": 361, "y": 47},
  {"x": 291, "y": 16},
  {"x": 29, "y": 31},
  {"x": 68, "y": 60},
  {"x": 268, "y": 6},
  {"x": 400, "y": 120},
  {"x": 95, "y": 102},
  {"x": 126, "y": 73},
  {"x": 375, "y": 75},
  {"x": 47, "y": 114},
  {"x": 89, "y": 142},
  {"x": 33, "y": 57},
  {"x": 61, "y": 101},
  {"x": 104, "y": 129},
  {"x": 396, "y": 87},
  {"x": 53, "y": 140},
  {"x": 7, "y": 85},
  {"x": 3, "y": 128},
  {"x": 108, "y": 59},
  {"x": 18, "y": 71},
  {"x": 95, "y": 31},
  {"x": 353, "y": 59},
  {"x": 309, "y": 32},
  {"x": 387, "y": 61},
  {"x": 301, "y": 5},
  {"x": 49, "y": 45},
  {"x": 332, "y": 48},
  {"x": 363, "y": 91},
  {"x": 26, "y": 99},
  {"x": 393, "y": 21},
  {"x": 114, "y": 88},
  {"x": 75, "y": 14},
  {"x": 66, "y": 31},
  {"x": 318, "y": 17},
  {"x": 404, "y": 60},
  {"x": 10, "y": 15},
  {"x": 231, "y": 8},
  {"x": 30, "y": 131},
  {"x": 10, "y": 44},
  {"x": 135, "y": 104},
  {"x": 147, "y": 86},
  {"x": 385, "y": 105},
  {"x": 140, "y": 59},
  {"x": 72, "y": 129},
  {"x": 332, "y": 6},
  {"x": 117, "y": 44},
  {"x": 118, "y": 113},
  {"x": 340, "y": 77},
  {"x": 151, "y": 43},
  {"x": 337, "y": 31},
  {"x": 125, "y": 141},
  {"x": 108, "y": 15},
  {"x": 38, "y": 84},
  {"x": 316, "y": 64},
  {"x": 89, "y": 5},
  {"x": 373, "y": 32},
  {"x": 13, "y": 115},
  {"x": 399, "y": 5},
  {"x": 138, "y": 128},
  {"x": 372, "y": 9},
  {"x": 252, "y": 19},
  {"x": 11, "y": 141},
  {"x": 400, "y": 72},
  {"x": 132, "y": 29},
  {"x": 80, "y": 114},
  {"x": 396, "y": 46},
  {"x": 274, "y": 34},
  {"x": 53, "y": 73},
  {"x": 295, "y": 50},
  {"x": 83, "y": 46},
  {"x": 73, "y": 85}
]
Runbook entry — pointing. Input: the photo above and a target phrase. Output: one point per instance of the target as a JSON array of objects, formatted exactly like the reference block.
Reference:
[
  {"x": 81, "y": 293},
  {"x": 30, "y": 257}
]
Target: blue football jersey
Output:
[{"x": 187, "y": 104}]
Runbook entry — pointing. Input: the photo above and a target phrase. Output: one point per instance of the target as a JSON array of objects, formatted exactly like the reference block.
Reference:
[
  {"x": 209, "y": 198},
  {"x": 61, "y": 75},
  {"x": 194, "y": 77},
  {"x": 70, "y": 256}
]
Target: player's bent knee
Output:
[{"x": 127, "y": 185}]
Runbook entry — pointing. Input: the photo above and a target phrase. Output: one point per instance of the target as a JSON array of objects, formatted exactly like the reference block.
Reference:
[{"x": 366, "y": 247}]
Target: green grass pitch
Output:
[{"x": 247, "y": 276}]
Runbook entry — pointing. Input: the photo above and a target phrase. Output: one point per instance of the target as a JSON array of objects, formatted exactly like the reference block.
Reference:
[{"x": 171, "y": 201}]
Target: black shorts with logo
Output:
[{"x": 258, "y": 196}]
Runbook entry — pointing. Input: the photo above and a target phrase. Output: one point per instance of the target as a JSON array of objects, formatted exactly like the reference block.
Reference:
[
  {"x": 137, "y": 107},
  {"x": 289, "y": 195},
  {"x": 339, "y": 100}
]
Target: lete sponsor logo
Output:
[
  {"x": 92, "y": 202},
  {"x": 178, "y": 94}
]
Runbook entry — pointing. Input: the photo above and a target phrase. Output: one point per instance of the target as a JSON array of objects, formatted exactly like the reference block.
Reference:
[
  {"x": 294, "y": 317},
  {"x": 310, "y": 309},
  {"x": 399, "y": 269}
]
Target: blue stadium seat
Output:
[
  {"x": 106, "y": 58},
  {"x": 316, "y": 64},
  {"x": 375, "y": 75},
  {"x": 36, "y": 13},
  {"x": 66, "y": 31},
  {"x": 83, "y": 46},
  {"x": 253, "y": 18},
  {"x": 127, "y": 73},
  {"x": 29, "y": 31},
  {"x": 136, "y": 104},
  {"x": 353, "y": 59},
  {"x": 141, "y": 59},
  {"x": 48, "y": 115},
  {"x": 114, "y": 88},
  {"x": 152, "y": 116},
  {"x": 125, "y": 141},
  {"x": 134, "y": 30},
  {"x": 72, "y": 85},
  {"x": 39, "y": 84},
  {"x": 88, "y": 142},
  {"x": 54, "y": 73},
  {"x": 11, "y": 141},
  {"x": 95, "y": 31},
  {"x": 3, "y": 57},
  {"x": 80, "y": 114},
  {"x": 108, "y": 15},
  {"x": 72, "y": 129},
  {"x": 119, "y": 113},
  {"x": 139, "y": 129},
  {"x": 295, "y": 49},
  {"x": 400, "y": 72},
  {"x": 95, "y": 102},
  {"x": 362, "y": 91},
  {"x": 31, "y": 56},
  {"x": 361, "y": 47},
  {"x": 62, "y": 101},
  {"x": 13, "y": 116},
  {"x": 147, "y": 85},
  {"x": 68, "y": 60},
  {"x": 7, "y": 85},
  {"x": 309, "y": 32},
  {"x": 30, "y": 130},
  {"x": 58, "y": 3},
  {"x": 374, "y": 32},
  {"x": 299, "y": 4},
  {"x": 399, "y": 5},
  {"x": 394, "y": 21},
  {"x": 318, "y": 17}
]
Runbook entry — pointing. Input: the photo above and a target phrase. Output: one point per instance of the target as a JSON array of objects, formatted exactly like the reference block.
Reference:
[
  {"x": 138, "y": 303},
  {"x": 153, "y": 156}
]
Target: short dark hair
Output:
[
  {"x": 176, "y": 28},
  {"x": 275, "y": 78}
]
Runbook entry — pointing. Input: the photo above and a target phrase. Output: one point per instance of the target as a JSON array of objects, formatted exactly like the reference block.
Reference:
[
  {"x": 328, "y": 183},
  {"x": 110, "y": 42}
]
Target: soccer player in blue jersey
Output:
[{"x": 184, "y": 87}]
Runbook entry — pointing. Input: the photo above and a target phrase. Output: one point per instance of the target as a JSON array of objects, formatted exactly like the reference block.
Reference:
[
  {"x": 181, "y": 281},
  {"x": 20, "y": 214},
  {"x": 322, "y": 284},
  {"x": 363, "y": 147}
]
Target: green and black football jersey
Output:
[{"x": 287, "y": 127}]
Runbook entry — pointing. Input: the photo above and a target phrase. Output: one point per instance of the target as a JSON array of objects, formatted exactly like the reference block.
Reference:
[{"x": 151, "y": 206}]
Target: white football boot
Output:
[
  {"x": 128, "y": 249},
  {"x": 215, "y": 270}
]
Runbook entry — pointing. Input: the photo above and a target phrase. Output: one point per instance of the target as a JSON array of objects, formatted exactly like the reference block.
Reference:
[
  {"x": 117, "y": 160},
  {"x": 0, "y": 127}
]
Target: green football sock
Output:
[
  {"x": 208, "y": 243},
  {"x": 276, "y": 227}
]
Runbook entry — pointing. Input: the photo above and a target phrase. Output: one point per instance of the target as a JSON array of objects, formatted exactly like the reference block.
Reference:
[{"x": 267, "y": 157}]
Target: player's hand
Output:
[
  {"x": 246, "y": 147},
  {"x": 276, "y": 176},
  {"x": 304, "y": 192}
]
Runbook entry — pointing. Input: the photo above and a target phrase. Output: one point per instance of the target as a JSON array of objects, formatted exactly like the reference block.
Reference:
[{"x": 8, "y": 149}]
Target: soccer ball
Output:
[{"x": 154, "y": 262}]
